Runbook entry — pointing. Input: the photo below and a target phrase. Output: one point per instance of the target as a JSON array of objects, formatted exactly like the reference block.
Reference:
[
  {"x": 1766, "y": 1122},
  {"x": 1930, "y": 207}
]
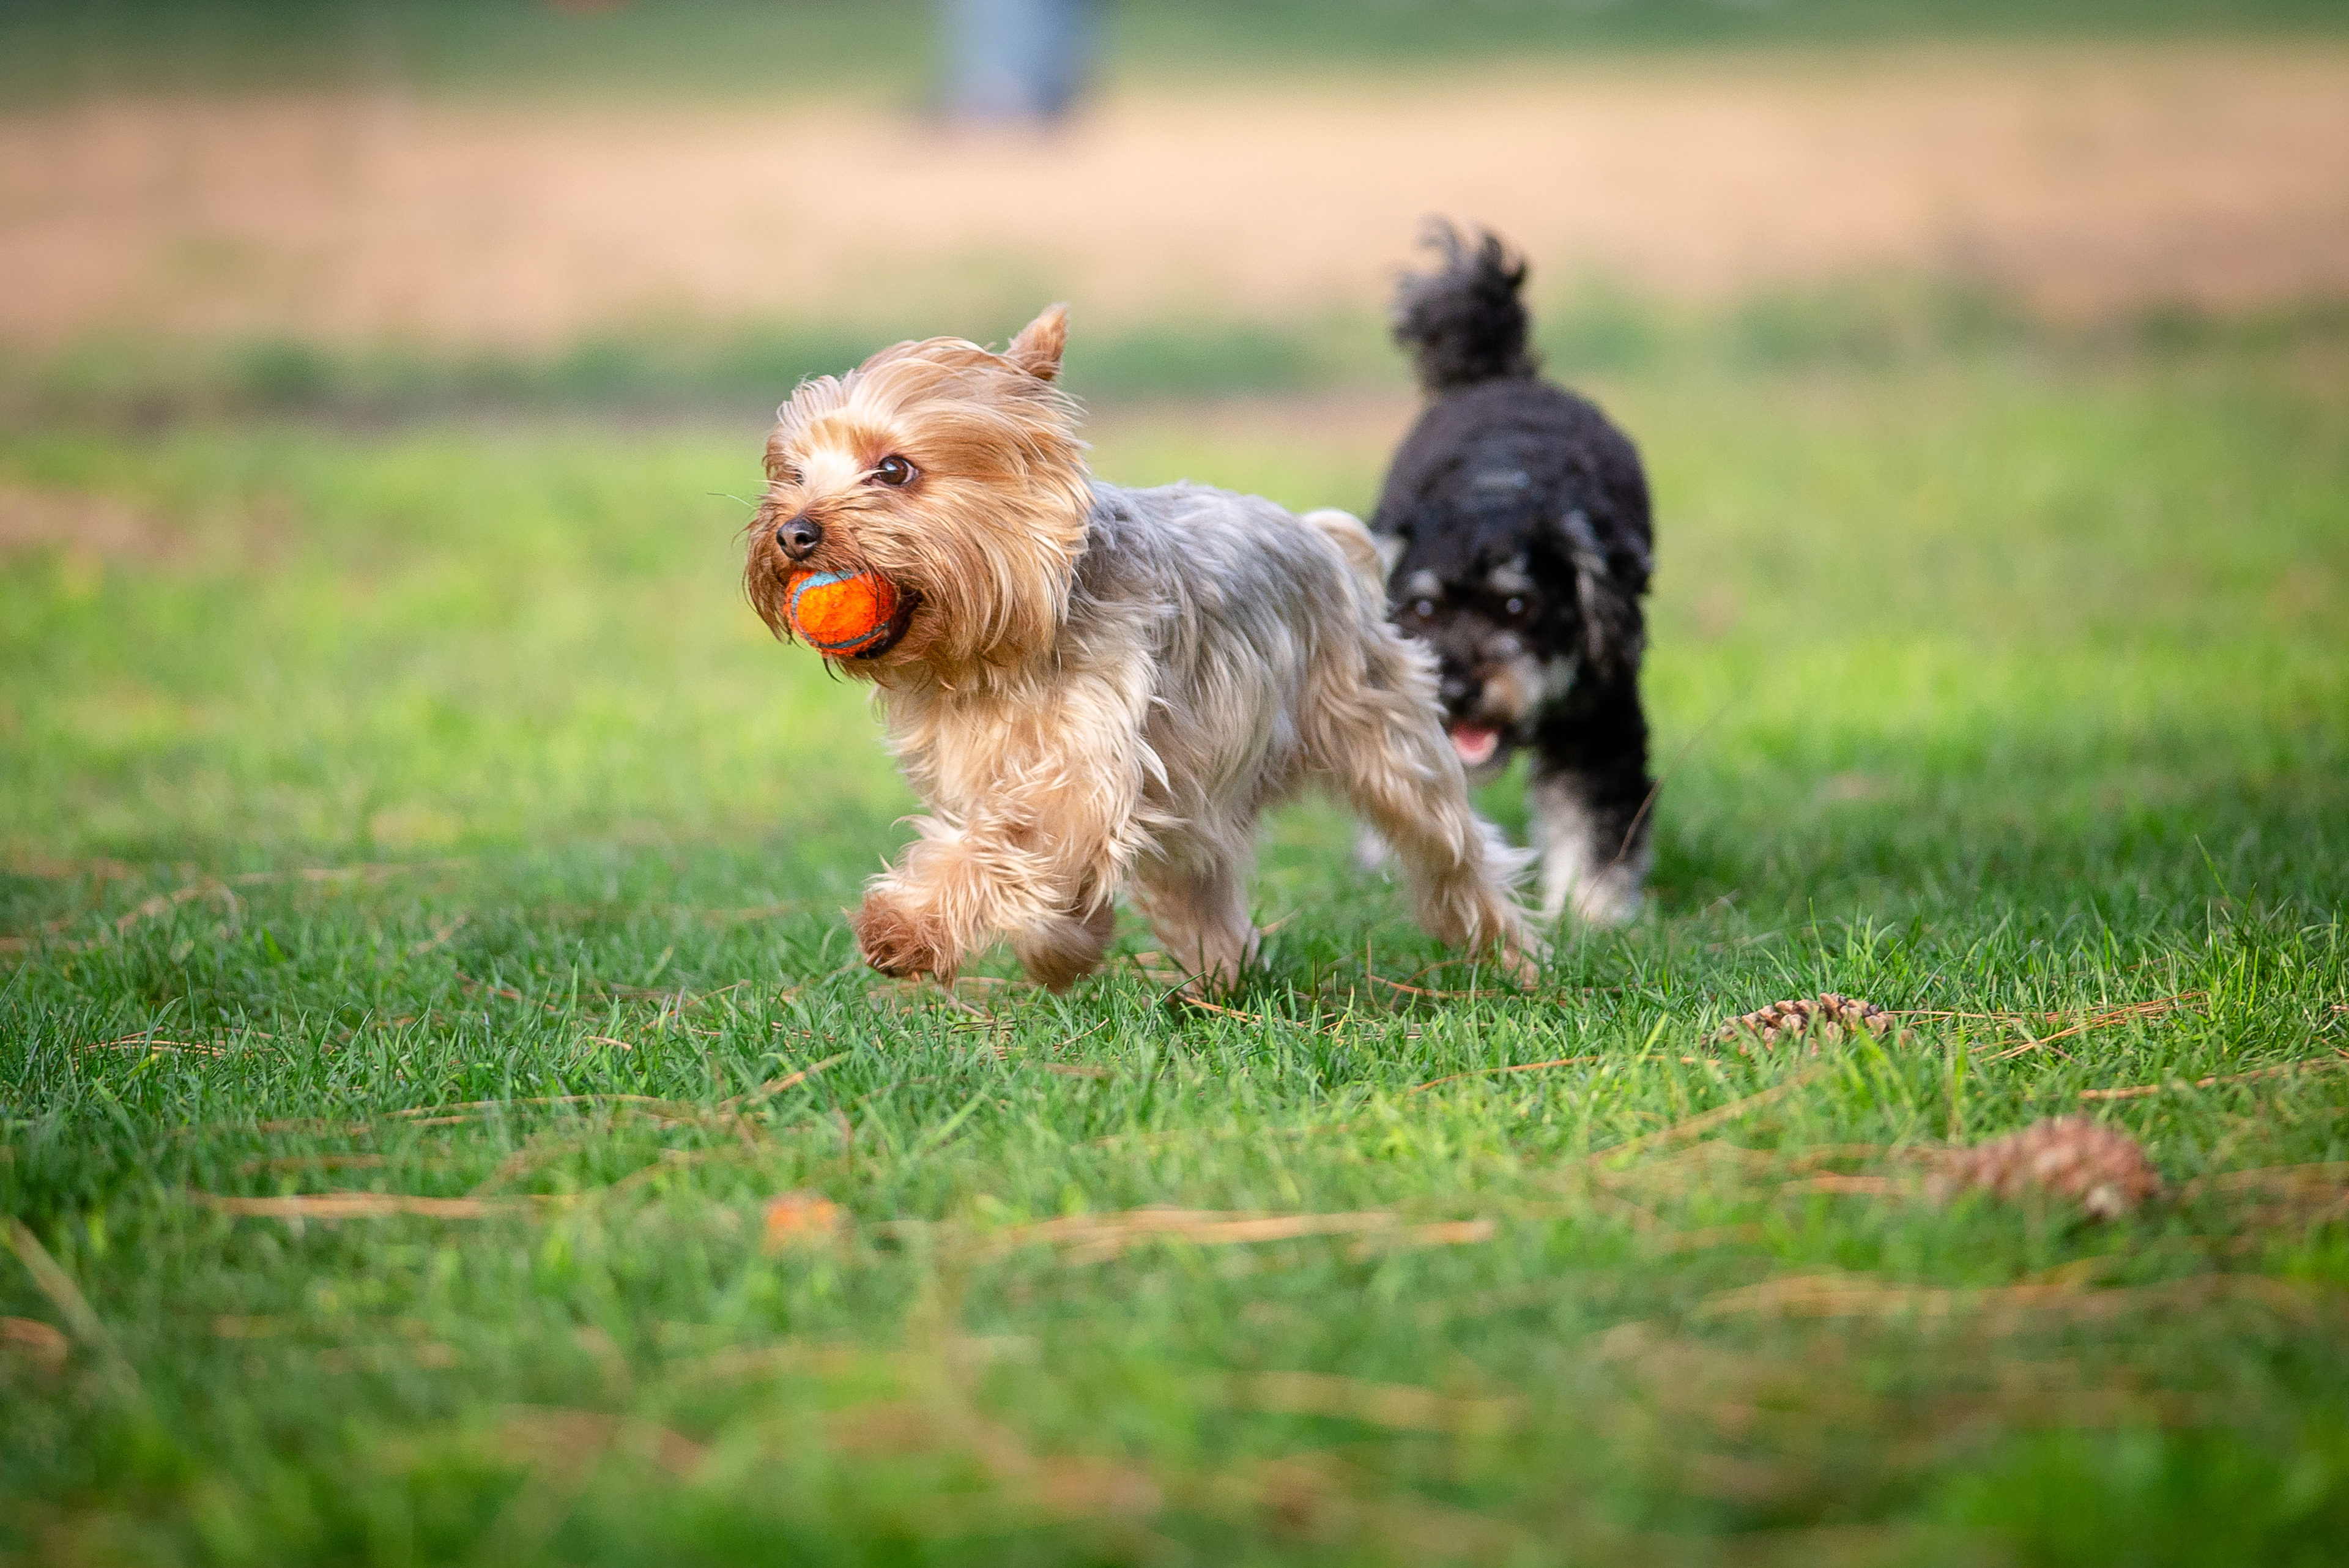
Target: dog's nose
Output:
[
  {"x": 799, "y": 537},
  {"x": 1455, "y": 687}
]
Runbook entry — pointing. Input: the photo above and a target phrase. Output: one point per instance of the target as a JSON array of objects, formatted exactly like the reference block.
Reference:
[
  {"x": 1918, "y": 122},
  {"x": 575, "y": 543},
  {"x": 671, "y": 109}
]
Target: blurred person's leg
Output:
[{"x": 1014, "y": 60}]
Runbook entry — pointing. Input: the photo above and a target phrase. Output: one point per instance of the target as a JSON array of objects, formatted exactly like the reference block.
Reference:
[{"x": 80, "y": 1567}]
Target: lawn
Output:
[{"x": 443, "y": 1121}]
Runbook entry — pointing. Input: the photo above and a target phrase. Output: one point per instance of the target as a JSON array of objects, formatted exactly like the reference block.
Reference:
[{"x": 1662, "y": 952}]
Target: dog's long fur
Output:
[
  {"x": 1099, "y": 688},
  {"x": 1516, "y": 520}
]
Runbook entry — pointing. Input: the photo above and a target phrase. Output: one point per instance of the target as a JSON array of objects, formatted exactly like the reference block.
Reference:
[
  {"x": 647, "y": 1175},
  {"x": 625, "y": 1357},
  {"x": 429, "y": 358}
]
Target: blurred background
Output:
[{"x": 384, "y": 206}]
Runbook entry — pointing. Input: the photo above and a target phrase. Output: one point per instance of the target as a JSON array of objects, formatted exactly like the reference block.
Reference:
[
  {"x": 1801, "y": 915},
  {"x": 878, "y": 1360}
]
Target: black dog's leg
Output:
[{"x": 1589, "y": 798}]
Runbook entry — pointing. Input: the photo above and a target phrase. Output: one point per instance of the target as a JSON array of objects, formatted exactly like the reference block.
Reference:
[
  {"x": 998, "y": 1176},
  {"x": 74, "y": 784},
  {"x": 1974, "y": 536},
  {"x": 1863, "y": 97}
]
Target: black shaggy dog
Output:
[{"x": 1514, "y": 524}]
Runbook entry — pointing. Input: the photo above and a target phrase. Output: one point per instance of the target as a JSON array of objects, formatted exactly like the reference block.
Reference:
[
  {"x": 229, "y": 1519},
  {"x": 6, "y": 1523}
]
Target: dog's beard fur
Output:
[
  {"x": 988, "y": 533},
  {"x": 1510, "y": 645},
  {"x": 1099, "y": 686}
]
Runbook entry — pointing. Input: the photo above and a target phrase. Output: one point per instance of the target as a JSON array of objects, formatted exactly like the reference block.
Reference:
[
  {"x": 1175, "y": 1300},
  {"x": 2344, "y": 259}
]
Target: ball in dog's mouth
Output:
[
  {"x": 1475, "y": 743},
  {"x": 849, "y": 615}
]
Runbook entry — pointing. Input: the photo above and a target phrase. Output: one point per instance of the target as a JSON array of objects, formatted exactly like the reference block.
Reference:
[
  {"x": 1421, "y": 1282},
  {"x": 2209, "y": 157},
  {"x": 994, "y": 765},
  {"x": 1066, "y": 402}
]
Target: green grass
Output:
[
  {"x": 2013, "y": 679},
  {"x": 744, "y": 48},
  {"x": 1586, "y": 326},
  {"x": 701, "y": 369}
]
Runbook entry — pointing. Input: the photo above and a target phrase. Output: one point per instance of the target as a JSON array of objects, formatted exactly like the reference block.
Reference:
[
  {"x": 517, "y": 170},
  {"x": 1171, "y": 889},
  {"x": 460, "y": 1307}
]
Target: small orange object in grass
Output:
[
  {"x": 800, "y": 1219},
  {"x": 842, "y": 613}
]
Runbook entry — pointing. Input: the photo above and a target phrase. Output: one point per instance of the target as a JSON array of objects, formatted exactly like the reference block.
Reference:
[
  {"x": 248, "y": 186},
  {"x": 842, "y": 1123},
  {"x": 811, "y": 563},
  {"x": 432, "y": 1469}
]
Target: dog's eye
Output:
[
  {"x": 786, "y": 474},
  {"x": 893, "y": 469},
  {"x": 1514, "y": 607},
  {"x": 1423, "y": 608}
]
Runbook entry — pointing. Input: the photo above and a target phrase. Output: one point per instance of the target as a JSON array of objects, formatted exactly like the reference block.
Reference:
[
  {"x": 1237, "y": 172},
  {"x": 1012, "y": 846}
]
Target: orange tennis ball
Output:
[{"x": 839, "y": 612}]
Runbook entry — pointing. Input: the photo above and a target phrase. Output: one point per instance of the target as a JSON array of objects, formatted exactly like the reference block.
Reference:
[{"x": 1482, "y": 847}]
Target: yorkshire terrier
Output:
[
  {"x": 1514, "y": 520},
  {"x": 1092, "y": 687}
]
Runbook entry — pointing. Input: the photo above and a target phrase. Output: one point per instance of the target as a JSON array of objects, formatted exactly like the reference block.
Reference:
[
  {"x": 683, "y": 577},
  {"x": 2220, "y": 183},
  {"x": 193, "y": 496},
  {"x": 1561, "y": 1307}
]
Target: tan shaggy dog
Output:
[{"x": 1094, "y": 688}]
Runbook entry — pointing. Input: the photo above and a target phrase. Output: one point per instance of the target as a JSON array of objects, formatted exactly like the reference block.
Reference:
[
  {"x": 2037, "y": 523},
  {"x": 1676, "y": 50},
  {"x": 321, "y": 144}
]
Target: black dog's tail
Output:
[{"x": 1464, "y": 323}]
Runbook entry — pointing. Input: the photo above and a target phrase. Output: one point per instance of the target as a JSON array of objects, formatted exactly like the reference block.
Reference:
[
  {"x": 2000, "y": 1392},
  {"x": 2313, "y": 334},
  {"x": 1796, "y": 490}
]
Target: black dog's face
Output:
[
  {"x": 1515, "y": 523},
  {"x": 1503, "y": 632}
]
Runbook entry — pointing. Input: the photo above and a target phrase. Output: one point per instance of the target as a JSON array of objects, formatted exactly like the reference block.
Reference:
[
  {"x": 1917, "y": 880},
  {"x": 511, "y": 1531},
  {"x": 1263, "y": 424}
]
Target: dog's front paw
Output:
[{"x": 899, "y": 941}]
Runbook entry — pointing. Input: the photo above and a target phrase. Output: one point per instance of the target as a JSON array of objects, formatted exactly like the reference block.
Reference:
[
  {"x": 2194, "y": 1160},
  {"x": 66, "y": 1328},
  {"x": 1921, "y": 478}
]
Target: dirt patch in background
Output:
[
  {"x": 81, "y": 524},
  {"x": 2084, "y": 180}
]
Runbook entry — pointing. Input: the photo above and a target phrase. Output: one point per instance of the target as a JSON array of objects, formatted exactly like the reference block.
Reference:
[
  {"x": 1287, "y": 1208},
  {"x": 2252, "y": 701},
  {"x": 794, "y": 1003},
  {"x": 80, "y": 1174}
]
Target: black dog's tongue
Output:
[{"x": 1475, "y": 743}]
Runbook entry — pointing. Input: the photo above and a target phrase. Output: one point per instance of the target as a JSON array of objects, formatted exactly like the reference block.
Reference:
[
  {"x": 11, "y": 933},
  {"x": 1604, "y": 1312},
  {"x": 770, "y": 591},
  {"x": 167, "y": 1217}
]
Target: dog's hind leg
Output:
[
  {"x": 1373, "y": 729},
  {"x": 1199, "y": 906},
  {"x": 1372, "y": 722}
]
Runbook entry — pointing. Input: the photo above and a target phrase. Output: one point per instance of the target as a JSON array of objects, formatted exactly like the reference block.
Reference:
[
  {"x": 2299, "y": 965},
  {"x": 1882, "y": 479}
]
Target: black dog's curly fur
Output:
[{"x": 1514, "y": 519}]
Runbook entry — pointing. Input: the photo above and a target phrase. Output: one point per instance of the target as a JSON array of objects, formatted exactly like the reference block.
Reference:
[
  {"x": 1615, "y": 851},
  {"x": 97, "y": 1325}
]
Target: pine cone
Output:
[
  {"x": 1830, "y": 1014},
  {"x": 2102, "y": 1167}
]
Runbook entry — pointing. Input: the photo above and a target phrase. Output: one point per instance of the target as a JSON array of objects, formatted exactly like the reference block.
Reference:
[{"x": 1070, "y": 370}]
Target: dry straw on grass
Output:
[
  {"x": 1096, "y": 1238},
  {"x": 2333, "y": 1063},
  {"x": 334, "y": 1206},
  {"x": 1862, "y": 1296},
  {"x": 36, "y": 1342},
  {"x": 1399, "y": 1406}
]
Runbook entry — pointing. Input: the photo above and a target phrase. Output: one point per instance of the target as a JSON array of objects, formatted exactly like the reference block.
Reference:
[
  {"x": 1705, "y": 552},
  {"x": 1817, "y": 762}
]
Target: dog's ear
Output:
[
  {"x": 1611, "y": 629},
  {"x": 1037, "y": 349}
]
